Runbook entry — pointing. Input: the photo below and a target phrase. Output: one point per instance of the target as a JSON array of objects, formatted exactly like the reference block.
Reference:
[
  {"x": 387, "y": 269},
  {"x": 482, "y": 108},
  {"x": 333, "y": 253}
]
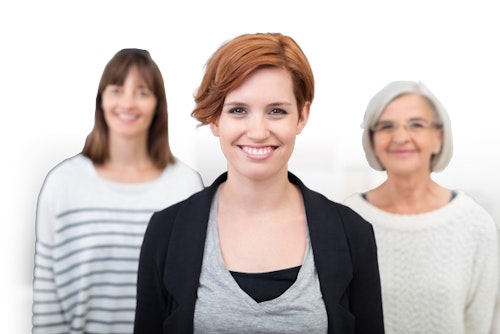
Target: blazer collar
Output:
[
  {"x": 329, "y": 244},
  {"x": 187, "y": 243}
]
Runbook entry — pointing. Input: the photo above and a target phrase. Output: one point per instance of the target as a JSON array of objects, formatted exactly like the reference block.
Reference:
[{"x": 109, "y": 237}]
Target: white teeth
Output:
[
  {"x": 127, "y": 117},
  {"x": 257, "y": 151}
]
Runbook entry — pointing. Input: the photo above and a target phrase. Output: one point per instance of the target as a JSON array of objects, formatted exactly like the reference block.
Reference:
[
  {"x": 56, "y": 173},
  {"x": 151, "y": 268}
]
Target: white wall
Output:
[{"x": 53, "y": 53}]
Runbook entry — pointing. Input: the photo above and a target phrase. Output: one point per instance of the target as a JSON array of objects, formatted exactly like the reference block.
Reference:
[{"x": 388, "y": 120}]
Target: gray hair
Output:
[{"x": 379, "y": 102}]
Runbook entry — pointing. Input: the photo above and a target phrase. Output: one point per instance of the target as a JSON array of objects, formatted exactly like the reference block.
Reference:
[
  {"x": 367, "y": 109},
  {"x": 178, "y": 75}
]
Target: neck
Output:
[
  {"x": 409, "y": 195},
  {"x": 128, "y": 153},
  {"x": 253, "y": 196},
  {"x": 128, "y": 162}
]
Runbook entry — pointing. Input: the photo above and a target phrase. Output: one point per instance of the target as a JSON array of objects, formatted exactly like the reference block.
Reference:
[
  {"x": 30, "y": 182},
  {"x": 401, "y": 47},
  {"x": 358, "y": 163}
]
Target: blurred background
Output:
[{"x": 53, "y": 54}]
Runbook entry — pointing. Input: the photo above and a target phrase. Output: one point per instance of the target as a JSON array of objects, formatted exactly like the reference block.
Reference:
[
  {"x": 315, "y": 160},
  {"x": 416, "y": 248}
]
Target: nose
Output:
[
  {"x": 257, "y": 128},
  {"x": 127, "y": 99},
  {"x": 401, "y": 134}
]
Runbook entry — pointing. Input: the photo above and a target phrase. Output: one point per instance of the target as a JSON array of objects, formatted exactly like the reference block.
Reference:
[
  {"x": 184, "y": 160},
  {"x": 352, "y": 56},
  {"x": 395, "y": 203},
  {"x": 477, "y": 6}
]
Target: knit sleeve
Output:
[
  {"x": 484, "y": 284},
  {"x": 47, "y": 312}
]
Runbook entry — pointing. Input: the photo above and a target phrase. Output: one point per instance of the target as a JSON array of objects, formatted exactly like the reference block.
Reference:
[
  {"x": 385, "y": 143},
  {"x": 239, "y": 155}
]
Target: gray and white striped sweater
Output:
[{"x": 88, "y": 237}]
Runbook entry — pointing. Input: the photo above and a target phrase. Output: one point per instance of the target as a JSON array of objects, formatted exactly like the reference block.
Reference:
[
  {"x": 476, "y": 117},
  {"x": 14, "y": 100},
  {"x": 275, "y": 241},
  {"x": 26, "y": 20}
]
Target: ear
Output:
[
  {"x": 304, "y": 117},
  {"x": 214, "y": 127}
]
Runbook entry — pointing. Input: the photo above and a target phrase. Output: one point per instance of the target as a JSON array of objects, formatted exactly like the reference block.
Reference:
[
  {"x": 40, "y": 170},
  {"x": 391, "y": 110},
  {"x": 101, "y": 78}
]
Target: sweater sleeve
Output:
[
  {"x": 484, "y": 284},
  {"x": 48, "y": 316}
]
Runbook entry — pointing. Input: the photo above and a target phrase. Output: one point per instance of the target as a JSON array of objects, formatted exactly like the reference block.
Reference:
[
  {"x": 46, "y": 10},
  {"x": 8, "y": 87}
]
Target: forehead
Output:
[
  {"x": 408, "y": 106},
  {"x": 135, "y": 76},
  {"x": 264, "y": 84}
]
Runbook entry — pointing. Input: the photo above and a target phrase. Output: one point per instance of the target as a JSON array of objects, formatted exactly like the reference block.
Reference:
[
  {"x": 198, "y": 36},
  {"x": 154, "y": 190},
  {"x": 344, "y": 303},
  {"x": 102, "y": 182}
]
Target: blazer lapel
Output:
[
  {"x": 330, "y": 247},
  {"x": 185, "y": 251}
]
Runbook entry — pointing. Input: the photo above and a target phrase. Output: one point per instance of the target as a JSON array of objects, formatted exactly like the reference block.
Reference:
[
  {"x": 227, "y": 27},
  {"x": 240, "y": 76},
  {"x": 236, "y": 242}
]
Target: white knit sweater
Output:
[
  {"x": 88, "y": 237},
  {"x": 439, "y": 270}
]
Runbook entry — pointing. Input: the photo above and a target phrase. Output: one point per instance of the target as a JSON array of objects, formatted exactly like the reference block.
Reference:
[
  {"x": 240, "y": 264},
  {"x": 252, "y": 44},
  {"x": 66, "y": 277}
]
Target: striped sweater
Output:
[{"x": 88, "y": 237}]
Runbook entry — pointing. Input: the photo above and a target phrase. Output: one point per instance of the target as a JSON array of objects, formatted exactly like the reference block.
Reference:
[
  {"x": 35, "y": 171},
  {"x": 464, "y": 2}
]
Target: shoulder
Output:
[
  {"x": 183, "y": 173},
  {"x": 353, "y": 200},
  {"x": 473, "y": 214},
  {"x": 321, "y": 208},
  {"x": 71, "y": 164},
  {"x": 75, "y": 168},
  {"x": 342, "y": 209},
  {"x": 353, "y": 221},
  {"x": 161, "y": 221},
  {"x": 186, "y": 211},
  {"x": 190, "y": 212},
  {"x": 160, "y": 226},
  {"x": 469, "y": 203},
  {"x": 360, "y": 205},
  {"x": 335, "y": 226},
  {"x": 179, "y": 222},
  {"x": 180, "y": 166}
]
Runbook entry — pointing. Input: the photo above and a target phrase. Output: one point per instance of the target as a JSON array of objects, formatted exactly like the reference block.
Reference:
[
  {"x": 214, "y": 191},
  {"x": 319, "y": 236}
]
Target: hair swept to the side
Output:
[{"x": 238, "y": 58}]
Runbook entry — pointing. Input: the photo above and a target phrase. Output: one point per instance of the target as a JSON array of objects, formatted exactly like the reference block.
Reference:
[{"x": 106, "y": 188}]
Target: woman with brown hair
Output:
[{"x": 94, "y": 207}]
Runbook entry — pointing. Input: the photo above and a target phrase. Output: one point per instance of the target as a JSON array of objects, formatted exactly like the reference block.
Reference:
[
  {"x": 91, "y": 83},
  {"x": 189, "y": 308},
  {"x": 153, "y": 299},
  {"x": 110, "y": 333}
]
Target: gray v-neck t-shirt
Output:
[{"x": 223, "y": 307}]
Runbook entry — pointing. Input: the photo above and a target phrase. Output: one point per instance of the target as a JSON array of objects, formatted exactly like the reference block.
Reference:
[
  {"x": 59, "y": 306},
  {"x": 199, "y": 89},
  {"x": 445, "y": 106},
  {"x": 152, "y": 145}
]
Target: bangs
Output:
[{"x": 117, "y": 74}]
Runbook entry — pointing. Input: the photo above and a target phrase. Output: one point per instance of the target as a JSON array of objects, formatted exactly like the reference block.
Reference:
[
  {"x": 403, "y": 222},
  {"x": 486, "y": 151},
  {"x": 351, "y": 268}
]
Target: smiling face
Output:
[
  {"x": 407, "y": 148},
  {"x": 259, "y": 123},
  {"x": 129, "y": 108}
]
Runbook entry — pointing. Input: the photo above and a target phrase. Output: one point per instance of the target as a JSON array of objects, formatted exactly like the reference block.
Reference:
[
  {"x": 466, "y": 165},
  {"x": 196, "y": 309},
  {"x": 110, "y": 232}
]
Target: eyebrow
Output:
[
  {"x": 409, "y": 119},
  {"x": 273, "y": 104}
]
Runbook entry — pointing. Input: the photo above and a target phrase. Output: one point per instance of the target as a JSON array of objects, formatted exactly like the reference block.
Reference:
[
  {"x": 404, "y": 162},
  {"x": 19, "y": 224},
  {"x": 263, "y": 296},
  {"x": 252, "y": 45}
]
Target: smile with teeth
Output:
[
  {"x": 257, "y": 151},
  {"x": 127, "y": 117}
]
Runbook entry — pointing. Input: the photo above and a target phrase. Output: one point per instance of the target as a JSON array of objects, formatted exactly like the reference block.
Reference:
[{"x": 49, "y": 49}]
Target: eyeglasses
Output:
[{"x": 413, "y": 126}]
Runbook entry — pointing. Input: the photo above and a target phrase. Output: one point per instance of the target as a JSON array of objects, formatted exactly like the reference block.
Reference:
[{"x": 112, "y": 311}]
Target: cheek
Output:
[
  {"x": 378, "y": 145},
  {"x": 292, "y": 135},
  {"x": 106, "y": 105},
  {"x": 106, "y": 108},
  {"x": 286, "y": 129},
  {"x": 149, "y": 107}
]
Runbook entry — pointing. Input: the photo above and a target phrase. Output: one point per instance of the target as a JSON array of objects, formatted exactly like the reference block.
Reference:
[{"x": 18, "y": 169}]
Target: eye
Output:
[
  {"x": 237, "y": 111},
  {"x": 417, "y": 124},
  {"x": 277, "y": 111},
  {"x": 112, "y": 89},
  {"x": 144, "y": 92},
  {"x": 385, "y": 126}
]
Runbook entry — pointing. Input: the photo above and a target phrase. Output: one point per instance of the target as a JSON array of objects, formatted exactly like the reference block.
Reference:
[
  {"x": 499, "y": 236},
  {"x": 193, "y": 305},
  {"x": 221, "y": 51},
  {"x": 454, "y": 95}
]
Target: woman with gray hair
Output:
[{"x": 437, "y": 248}]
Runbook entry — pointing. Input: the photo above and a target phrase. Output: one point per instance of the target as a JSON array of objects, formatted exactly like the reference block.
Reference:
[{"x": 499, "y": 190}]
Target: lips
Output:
[
  {"x": 127, "y": 117},
  {"x": 401, "y": 153},
  {"x": 260, "y": 152}
]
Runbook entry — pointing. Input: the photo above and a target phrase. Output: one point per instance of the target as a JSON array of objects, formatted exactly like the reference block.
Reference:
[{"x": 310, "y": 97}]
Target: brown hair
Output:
[
  {"x": 237, "y": 59},
  {"x": 96, "y": 145}
]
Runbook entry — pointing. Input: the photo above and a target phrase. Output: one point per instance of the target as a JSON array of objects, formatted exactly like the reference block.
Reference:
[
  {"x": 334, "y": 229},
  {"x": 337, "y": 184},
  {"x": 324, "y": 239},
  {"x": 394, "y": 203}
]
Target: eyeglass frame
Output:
[{"x": 424, "y": 125}]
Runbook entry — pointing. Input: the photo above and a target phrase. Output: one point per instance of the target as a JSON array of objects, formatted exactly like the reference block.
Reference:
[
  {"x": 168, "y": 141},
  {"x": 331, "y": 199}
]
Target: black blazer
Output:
[{"x": 345, "y": 256}]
